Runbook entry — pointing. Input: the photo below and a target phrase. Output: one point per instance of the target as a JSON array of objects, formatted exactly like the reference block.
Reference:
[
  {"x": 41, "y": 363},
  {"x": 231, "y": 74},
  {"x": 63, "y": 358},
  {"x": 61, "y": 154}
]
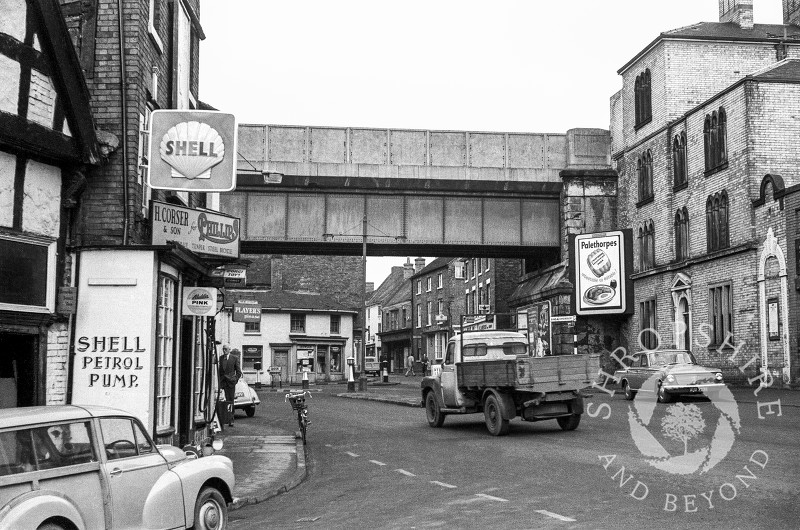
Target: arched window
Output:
[
  {"x": 642, "y": 99},
  {"x": 715, "y": 141},
  {"x": 681, "y": 234},
  {"x": 641, "y": 240},
  {"x": 679, "y": 165},
  {"x": 647, "y": 246},
  {"x": 717, "y": 233},
  {"x": 645, "y": 168}
]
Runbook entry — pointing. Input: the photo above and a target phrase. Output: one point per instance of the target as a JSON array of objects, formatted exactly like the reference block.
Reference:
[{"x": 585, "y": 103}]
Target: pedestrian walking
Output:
[
  {"x": 229, "y": 374},
  {"x": 410, "y": 365},
  {"x": 424, "y": 365}
]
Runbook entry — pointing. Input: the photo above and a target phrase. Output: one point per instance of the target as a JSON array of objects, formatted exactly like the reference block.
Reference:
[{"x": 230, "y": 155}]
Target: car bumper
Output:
[{"x": 693, "y": 389}]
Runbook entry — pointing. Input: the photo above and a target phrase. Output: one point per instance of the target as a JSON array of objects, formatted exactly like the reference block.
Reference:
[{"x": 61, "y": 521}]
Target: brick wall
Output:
[{"x": 57, "y": 364}]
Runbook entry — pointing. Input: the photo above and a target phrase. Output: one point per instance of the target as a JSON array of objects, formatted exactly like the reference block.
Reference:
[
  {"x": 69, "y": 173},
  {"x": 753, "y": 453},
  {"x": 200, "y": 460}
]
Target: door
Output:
[
  {"x": 683, "y": 340},
  {"x": 133, "y": 466},
  {"x": 18, "y": 355},
  {"x": 281, "y": 358},
  {"x": 449, "y": 379}
]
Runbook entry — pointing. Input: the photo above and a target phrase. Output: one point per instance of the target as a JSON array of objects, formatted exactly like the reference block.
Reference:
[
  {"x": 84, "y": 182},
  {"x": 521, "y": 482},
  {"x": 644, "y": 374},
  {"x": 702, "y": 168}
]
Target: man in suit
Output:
[{"x": 229, "y": 374}]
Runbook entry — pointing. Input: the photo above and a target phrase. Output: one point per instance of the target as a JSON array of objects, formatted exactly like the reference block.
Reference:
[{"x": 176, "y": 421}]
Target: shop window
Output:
[
  {"x": 336, "y": 324},
  {"x": 165, "y": 339},
  {"x": 648, "y": 330},
  {"x": 681, "y": 234},
  {"x": 717, "y": 234},
  {"x": 715, "y": 142},
  {"x": 251, "y": 355},
  {"x": 297, "y": 323},
  {"x": 642, "y": 99},
  {"x": 679, "y": 164},
  {"x": 336, "y": 359},
  {"x": 252, "y": 327},
  {"x": 720, "y": 312}
]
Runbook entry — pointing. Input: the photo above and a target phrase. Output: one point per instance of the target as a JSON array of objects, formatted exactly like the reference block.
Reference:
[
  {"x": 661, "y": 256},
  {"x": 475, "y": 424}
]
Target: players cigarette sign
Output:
[{"x": 600, "y": 273}]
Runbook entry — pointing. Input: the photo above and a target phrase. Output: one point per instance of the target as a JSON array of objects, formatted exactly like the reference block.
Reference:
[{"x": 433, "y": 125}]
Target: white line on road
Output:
[
  {"x": 377, "y": 463},
  {"x": 406, "y": 473},
  {"x": 351, "y": 454},
  {"x": 328, "y": 445},
  {"x": 555, "y": 516},
  {"x": 491, "y": 498},
  {"x": 443, "y": 484}
]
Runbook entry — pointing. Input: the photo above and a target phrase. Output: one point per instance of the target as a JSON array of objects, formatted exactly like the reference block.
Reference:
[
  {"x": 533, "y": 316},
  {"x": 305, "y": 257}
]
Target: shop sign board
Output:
[
  {"x": 202, "y": 232},
  {"x": 192, "y": 150},
  {"x": 199, "y": 301},
  {"x": 246, "y": 311},
  {"x": 600, "y": 268},
  {"x": 235, "y": 277}
]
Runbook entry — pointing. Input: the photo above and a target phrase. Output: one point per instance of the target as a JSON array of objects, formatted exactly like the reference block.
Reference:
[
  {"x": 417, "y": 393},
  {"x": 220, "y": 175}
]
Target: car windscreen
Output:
[{"x": 675, "y": 358}]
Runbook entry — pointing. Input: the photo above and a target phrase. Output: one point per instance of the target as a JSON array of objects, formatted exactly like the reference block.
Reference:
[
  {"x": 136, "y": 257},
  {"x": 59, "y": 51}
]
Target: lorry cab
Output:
[{"x": 473, "y": 347}]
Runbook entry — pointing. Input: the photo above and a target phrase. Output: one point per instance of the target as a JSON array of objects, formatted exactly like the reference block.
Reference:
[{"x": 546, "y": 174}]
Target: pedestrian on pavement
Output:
[
  {"x": 424, "y": 365},
  {"x": 410, "y": 365},
  {"x": 229, "y": 374}
]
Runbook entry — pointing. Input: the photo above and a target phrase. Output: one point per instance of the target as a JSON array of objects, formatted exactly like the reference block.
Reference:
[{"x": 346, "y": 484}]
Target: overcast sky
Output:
[{"x": 492, "y": 65}]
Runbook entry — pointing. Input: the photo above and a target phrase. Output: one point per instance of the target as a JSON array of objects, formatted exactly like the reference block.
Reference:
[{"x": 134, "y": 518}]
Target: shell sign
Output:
[{"x": 192, "y": 150}]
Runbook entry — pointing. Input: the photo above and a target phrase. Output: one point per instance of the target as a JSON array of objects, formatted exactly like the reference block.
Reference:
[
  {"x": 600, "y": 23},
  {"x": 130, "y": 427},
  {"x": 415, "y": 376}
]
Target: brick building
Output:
[
  {"x": 378, "y": 301},
  {"x": 703, "y": 142}
]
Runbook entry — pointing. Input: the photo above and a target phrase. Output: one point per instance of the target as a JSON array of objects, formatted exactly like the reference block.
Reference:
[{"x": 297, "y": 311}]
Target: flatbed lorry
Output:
[{"x": 492, "y": 372}]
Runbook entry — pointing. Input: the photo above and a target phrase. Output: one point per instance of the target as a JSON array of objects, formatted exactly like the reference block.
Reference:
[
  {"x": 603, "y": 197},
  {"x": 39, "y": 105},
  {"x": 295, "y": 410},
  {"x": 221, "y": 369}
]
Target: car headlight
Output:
[
  {"x": 718, "y": 377},
  {"x": 670, "y": 378}
]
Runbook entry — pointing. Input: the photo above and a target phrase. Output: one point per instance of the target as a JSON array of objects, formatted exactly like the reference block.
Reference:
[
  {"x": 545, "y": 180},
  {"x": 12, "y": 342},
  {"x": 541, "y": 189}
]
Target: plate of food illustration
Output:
[{"x": 598, "y": 294}]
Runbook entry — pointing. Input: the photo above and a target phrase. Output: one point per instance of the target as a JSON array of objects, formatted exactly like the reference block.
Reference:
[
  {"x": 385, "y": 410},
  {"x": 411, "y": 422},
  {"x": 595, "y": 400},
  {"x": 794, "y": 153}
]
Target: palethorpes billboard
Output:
[
  {"x": 600, "y": 265},
  {"x": 200, "y": 231},
  {"x": 192, "y": 150}
]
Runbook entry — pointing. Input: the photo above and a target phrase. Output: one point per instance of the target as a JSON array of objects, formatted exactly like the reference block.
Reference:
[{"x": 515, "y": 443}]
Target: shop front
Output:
[
  {"x": 396, "y": 346},
  {"x": 322, "y": 360}
]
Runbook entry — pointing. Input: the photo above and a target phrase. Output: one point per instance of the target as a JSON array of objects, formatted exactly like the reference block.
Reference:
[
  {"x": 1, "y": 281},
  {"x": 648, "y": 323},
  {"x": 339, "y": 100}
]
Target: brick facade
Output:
[{"x": 691, "y": 79}]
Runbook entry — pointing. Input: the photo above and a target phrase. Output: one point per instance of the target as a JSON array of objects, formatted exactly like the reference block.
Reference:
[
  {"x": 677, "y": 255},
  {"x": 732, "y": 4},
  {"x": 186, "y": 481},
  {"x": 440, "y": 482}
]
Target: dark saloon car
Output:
[{"x": 668, "y": 373}]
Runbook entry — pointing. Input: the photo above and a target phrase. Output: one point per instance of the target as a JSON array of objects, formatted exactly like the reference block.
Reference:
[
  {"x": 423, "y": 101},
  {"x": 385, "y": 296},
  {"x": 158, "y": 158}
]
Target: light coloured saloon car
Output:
[
  {"x": 668, "y": 373},
  {"x": 75, "y": 467}
]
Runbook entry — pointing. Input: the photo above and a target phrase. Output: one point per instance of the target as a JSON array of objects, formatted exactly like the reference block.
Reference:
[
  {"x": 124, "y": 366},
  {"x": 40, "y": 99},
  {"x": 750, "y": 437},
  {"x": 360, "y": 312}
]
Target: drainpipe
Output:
[{"x": 124, "y": 107}]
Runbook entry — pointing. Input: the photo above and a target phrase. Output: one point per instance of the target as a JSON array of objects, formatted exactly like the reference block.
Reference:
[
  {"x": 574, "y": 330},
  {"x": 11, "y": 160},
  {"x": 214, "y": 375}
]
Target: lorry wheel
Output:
[
  {"x": 492, "y": 412},
  {"x": 629, "y": 394},
  {"x": 432, "y": 411},
  {"x": 569, "y": 423}
]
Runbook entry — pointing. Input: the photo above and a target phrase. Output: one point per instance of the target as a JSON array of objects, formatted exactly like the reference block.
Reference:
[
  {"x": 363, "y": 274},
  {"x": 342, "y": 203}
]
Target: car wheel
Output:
[
  {"x": 663, "y": 395},
  {"x": 569, "y": 423},
  {"x": 493, "y": 414},
  {"x": 432, "y": 411},
  {"x": 629, "y": 394},
  {"x": 250, "y": 411},
  {"x": 210, "y": 510}
]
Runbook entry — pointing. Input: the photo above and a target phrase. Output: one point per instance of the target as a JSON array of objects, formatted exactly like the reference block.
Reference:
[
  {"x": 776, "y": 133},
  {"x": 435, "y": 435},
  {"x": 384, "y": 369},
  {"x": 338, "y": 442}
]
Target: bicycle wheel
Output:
[{"x": 303, "y": 426}]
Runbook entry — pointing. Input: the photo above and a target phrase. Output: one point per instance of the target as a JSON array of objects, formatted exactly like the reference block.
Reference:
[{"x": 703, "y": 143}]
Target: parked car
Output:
[
  {"x": 668, "y": 373},
  {"x": 76, "y": 467},
  {"x": 245, "y": 398}
]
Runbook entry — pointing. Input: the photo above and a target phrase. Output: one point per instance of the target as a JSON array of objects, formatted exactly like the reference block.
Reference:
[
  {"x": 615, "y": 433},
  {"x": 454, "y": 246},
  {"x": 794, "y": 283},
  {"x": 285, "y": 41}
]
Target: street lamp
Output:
[{"x": 362, "y": 354}]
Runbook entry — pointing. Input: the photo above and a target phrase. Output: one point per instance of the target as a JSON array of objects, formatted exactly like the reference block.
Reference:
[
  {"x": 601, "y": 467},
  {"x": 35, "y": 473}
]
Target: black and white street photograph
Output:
[{"x": 370, "y": 264}]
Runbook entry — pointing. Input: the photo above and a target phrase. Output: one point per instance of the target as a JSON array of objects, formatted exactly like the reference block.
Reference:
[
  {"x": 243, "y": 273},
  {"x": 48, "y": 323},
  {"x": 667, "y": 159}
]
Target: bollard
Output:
[
  {"x": 385, "y": 375},
  {"x": 305, "y": 378}
]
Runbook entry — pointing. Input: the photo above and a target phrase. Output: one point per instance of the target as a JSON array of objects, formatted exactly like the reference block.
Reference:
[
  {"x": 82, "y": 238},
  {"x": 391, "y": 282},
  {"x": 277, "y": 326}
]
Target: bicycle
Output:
[{"x": 298, "y": 402}]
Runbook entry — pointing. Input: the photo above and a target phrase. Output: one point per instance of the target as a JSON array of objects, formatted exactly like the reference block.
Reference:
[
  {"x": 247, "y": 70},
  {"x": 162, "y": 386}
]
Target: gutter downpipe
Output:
[{"x": 124, "y": 106}]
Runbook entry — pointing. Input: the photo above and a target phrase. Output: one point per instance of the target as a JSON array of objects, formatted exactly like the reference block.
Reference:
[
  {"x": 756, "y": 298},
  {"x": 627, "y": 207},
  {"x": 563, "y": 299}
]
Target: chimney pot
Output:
[{"x": 419, "y": 264}]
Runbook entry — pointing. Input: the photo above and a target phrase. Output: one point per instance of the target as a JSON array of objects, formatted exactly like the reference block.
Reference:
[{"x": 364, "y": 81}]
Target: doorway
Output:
[{"x": 18, "y": 359}]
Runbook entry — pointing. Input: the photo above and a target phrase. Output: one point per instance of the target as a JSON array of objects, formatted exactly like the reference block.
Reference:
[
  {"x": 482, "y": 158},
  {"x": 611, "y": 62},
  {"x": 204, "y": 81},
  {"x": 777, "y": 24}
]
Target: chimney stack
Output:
[
  {"x": 740, "y": 12},
  {"x": 408, "y": 269},
  {"x": 419, "y": 264},
  {"x": 791, "y": 12}
]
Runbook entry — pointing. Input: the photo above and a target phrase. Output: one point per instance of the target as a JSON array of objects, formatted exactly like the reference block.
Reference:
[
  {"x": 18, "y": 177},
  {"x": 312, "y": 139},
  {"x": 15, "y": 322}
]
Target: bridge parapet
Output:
[{"x": 419, "y": 154}]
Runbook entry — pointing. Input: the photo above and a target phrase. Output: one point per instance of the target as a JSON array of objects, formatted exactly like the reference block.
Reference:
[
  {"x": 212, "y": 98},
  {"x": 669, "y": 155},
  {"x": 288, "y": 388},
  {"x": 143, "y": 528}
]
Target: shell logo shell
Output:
[{"x": 192, "y": 149}]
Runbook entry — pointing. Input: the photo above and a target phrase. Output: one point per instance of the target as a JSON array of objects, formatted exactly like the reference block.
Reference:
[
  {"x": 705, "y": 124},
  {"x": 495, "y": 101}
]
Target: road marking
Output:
[
  {"x": 377, "y": 463},
  {"x": 328, "y": 445},
  {"x": 443, "y": 484},
  {"x": 351, "y": 454},
  {"x": 491, "y": 498},
  {"x": 555, "y": 516},
  {"x": 406, "y": 473}
]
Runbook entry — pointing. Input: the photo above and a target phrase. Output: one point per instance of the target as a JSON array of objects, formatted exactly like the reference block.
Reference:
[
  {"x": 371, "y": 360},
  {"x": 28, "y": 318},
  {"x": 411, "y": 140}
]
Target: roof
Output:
[
  {"x": 400, "y": 296},
  {"x": 530, "y": 289},
  {"x": 388, "y": 287},
  {"x": 290, "y": 300},
  {"x": 438, "y": 263},
  {"x": 27, "y": 416},
  {"x": 786, "y": 70},
  {"x": 724, "y": 31}
]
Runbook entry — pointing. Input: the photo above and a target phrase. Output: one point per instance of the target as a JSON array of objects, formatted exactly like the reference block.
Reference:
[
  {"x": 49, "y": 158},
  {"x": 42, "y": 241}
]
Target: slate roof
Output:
[
  {"x": 290, "y": 300},
  {"x": 788, "y": 69},
  {"x": 725, "y": 31},
  {"x": 438, "y": 263},
  {"x": 388, "y": 287},
  {"x": 530, "y": 289},
  {"x": 401, "y": 295}
]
